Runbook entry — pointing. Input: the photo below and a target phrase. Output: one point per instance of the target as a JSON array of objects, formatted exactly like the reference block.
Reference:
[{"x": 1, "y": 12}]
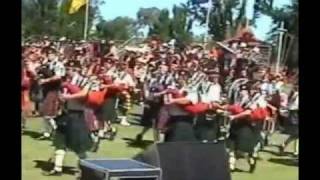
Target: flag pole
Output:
[
  {"x": 207, "y": 35},
  {"x": 281, "y": 33},
  {"x": 86, "y": 20}
]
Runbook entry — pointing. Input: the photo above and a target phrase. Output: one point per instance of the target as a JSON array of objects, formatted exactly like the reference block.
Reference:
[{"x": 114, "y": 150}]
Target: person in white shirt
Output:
[
  {"x": 292, "y": 127},
  {"x": 125, "y": 79},
  {"x": 51, "y": 86},
  {"x": 113, "y": 51}
]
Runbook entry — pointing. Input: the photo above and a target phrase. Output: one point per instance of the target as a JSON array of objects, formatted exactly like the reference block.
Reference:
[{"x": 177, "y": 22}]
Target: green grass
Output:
[{"x": 34, "y": 150}]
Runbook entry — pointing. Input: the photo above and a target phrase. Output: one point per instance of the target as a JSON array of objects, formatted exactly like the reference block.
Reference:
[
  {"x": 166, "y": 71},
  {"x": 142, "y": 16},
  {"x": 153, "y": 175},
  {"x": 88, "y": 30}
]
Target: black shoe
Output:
[
  {"x": 113, "y": 134},
  {"x": 281, "y": 150},
  {"x": 253, "y": 167},
  {"x": 95, "y": 147},
  {"x": 139, "y": 138},
  {"x": 52, "y": 173},
  {"x": 43, "y": 137},
  {"x": 266, "y": 141},
  {"x": 232, "y": 170}
]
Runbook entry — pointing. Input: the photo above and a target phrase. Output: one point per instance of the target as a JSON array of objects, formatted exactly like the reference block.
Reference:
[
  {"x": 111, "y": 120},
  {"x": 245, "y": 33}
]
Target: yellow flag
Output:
[{"x": 76, "y": 5}]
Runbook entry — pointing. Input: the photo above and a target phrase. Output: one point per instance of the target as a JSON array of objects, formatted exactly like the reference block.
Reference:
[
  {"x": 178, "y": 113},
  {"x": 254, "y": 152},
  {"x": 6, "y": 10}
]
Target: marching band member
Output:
[
  {"x": 152, "y": 105},
  {"x": 180, "y": 125},
  {"x": 128, "y": 84},
  {"x": 72, "y": 130},
  {"x": 25, "y": 101},
  {"x": 292, "y": 125},
  {"x": 51, "y": 87},
  {"x": 246, "y": 127}
]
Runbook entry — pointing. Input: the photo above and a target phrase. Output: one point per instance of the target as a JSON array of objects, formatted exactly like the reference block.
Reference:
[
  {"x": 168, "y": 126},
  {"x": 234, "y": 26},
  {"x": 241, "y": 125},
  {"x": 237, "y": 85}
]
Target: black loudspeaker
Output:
[{"x": 188, "y": 160}]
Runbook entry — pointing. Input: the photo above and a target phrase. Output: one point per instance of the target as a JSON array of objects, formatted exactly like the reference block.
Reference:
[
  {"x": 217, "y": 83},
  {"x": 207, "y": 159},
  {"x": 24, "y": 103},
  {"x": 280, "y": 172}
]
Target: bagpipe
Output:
[
  {"x": 194, "y": 109},
  {"x": 96, "y": 98}
]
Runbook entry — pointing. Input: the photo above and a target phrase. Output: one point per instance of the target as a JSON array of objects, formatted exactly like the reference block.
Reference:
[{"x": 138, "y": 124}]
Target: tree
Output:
[
  {"x": 51, "y": 17},
  {"x": 225, "y": 18},
  {"x": 166, "y": 28},
  {"x": 39, "y": 16},
  {"x": 180, "y": 24},
  {"x": 120, "y": 28},
  {"x": 288, "y": 14},
  {"x": 148, "y": 16}
]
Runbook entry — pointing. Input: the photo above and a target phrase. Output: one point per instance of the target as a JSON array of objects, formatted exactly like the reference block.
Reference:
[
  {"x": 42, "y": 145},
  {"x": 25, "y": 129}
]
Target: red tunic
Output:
[
  {"x": 191, "y": 108},
  {"x": 259, "y": 114}
]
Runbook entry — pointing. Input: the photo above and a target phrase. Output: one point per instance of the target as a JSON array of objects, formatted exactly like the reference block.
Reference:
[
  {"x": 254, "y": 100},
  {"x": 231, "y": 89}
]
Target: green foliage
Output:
[
  {"x": 225, "y": 17},
  {"x": 166, "y": 28},
  {"x": 288, "y": 14},
  {"x": 120, "y": 28},
  {"x": 51, "y": 17}
]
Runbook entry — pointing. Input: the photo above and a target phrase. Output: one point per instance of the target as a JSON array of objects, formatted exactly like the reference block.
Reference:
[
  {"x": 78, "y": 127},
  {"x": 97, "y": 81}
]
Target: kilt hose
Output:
[
  {"x": 72, "y": 132},
  {"x": 50, "y": 105},
  {"x": 125, "y": 102}
]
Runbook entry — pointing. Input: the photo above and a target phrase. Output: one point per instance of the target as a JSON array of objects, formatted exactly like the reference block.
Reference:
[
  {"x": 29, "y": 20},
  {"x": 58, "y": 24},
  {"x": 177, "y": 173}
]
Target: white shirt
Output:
[
  {"x": 214, "y": 94},
  {"x": 125, "y": 79},
  {"x": 294, "y": 102},
  {"x": 58, "y": 68},
  {"x": 193, "y": 96},
  {"x": 114, "y": 51},
  {"x": 76, "y": 78}
]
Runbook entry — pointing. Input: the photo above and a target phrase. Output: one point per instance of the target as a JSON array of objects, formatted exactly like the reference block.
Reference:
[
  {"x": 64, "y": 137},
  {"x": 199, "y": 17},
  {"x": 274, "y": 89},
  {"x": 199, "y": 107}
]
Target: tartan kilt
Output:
[
  {"x": 91, "y": 119},
  {"x": 163, "y": 118},
  {"x": 72, "y": 132},
  {"x": 50, "y": 105},
  {"x": 25, "y": 100},
  {"x": 205, "y": 128},
  {"x": 107, "y": 112},
  {"x": 245, "y": 135},
  {"x": 150, "y": 114},
  {"x": 291, "y": 124},
  {"x": 180, "y": 129}
]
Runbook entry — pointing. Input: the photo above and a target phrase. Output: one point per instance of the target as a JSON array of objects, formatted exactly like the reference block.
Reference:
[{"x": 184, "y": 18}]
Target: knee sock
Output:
[
  {"x": 232, "y": 160},
  {"x": 53, "y": 124},
  {"x": 59, "y": 157},
  {"x": 296, "y": 147}
]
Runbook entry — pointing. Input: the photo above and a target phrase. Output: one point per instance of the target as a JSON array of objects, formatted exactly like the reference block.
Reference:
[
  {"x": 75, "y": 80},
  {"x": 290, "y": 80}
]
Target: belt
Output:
[{"x": 74, "y": 111}]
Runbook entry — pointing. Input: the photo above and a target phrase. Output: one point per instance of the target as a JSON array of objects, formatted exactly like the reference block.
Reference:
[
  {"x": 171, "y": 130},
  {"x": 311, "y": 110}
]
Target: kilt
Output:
[
  {"x": 107, "y": 112},
  {"x": 291, "y": 124},
  {"x": 25, "y": 100},
  {"x": 150, "y": 113},
  {"x": 180, "y": 129},
  {"x": 245, "y": 135},
  {"x": 50, "y": 105},
  {"x": 72, "y": 132},
  {"x": 206, "y": 127},
  {"x": 162, "y": 118},
  {"x": 91, "y": 119}
]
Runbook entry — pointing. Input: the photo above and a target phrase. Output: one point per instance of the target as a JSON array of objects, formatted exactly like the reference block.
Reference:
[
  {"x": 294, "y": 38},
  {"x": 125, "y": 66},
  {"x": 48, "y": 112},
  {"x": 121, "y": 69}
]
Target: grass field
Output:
[{"x": 35, "y": 154}]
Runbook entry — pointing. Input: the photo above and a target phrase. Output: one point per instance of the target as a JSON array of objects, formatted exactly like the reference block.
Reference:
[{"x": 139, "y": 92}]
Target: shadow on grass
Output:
[
  {"x": 32, "y": 134},
  {"x": 143, "y": 144},
  {"x": 136, "y": 115},
  {"x": 237, "y": 170},
  {"x": 135, "y": 123},
  {"x": 276, "y": 153},
  {"x": 48, "y": 166},
  {"x": 286, "y": 161}
]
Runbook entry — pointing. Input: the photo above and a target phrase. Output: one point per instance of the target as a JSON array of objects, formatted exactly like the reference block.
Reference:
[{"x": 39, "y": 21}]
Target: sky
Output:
[{"x": 115, "y": 8}]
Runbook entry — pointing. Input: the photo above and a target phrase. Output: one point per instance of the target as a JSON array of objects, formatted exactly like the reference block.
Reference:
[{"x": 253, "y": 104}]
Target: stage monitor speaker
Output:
[{"x": 188, "y": 160}]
